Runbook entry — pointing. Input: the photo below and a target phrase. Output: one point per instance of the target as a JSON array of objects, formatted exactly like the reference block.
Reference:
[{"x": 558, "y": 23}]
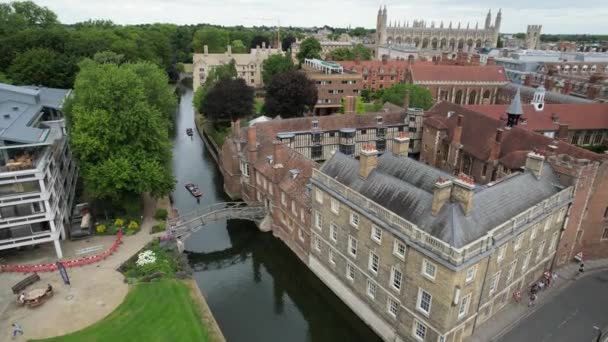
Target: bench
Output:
[
  {"x": 29, "y": 280},
  {"x": 88, "y": 250}
]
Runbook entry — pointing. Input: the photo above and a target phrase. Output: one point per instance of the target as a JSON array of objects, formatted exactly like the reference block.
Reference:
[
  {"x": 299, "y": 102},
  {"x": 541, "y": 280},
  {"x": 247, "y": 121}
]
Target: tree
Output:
[
  {"x": 229, "y": 99},
  {"x": 309, "y": 48},
  {"x": 4, "y": 79},
  {"x": 258, "y": 40},
  {"x": 19, "y": 15},
  {"x": 216, "y": 40},
  {"x": 118, "y": 137},
  {"x": 359, "y": 106},
  {"x": 361, "y": 53},
  {"x": 340, "y": 54},
  {"x": 290, "y": 94},
  {"x": 104, "y": 57},
  {"x": 357, "y": 52},
  {"x": 287, "y": 41},
  {"x": 221, "y": 72},
  {"x": 420, "y": 97},
  {"x": 274, "y": 65},
  {"x": 520, "y": 35},
  {"x": 358, "y": 32},
  {"x": 238, "y": 47},
  {"x": 43, "y": 67}
]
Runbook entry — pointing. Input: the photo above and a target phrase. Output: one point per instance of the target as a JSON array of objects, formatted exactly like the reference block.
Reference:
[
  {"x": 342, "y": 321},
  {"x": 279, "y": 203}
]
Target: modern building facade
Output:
[
  {"x": 437, "y": 37},
  {"x": 248, "y": 65},
  {"x": 37, "y": 173},
  {"x": 421, "y": 255},
  {"x": 333, "y": 84}
]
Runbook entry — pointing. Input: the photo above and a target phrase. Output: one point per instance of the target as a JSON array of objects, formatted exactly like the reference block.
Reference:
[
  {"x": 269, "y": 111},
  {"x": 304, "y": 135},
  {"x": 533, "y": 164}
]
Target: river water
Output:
[{"x": 258, "y": 290}]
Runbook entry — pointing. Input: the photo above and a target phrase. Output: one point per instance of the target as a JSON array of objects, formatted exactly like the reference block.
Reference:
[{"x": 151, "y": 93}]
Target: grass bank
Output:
[{"x": 157, "y": 311}]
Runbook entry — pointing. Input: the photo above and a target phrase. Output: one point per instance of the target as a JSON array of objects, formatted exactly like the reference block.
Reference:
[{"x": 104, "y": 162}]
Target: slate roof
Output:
[
  {"x": 459, "y": 73},
  {"x": 550, "y": 96},
  {"x": 405, "y": 187},
  {"x": 515, "y": 106}
]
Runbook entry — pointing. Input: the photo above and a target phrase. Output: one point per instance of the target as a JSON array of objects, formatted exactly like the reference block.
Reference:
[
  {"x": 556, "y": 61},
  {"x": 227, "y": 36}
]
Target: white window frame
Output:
[
  {"x": 419, "y": 307},
  {"x": 333, "y": 232},
  {"x": 370, "y": 263},
  {"x": 494, "y": 282},
  {"x": 396, "y": 245},
  {"x": 391, "y": 300},
  {"x": 511, "y": 272},
  {"x": 352, "y": 242},
  {"x": 376, "y": 234},
  {"x": 350, "y": 275},
  {"x": 300, "y": 235},
  {"x": 331, "y": 256},
  {"x": 533, "y": 233},
  {"x": 283, "y": 199},
  {"x": 372, "y": 289},
  {"x": 526, "y": 263},
  {"x": 317, "y": 243},
  {"x": 319, "y": 195},
  {"x": 517, "y": 242},
  {"x": 553, "y": 243},
  {"x": 294, "y": 210},
  {"x": 335, "y": 206},
  {"x": 415, "y": 330},
  {"x": 540, "y": 250},
  {"x": 502, "y": 250},
  {"x": 471, "y": 273},
  {"x": 354, "y": 219},
  {"x": 463, "y": 308},
  {"x": 302, "y": 217},
  {"x": 394, "y": 277},
  {"x": 426, "y": 263},
  {"x": 318, "y": 220}
]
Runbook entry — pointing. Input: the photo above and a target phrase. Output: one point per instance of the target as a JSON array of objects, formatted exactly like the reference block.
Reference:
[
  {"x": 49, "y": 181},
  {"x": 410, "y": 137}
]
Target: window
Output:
[
  {"x": 335, "y": 206},
  {"x": 471, "y": 272},
  {"x": 396, "y": 279},
  {"x": 392, "y": 306},
  {"x": 419, "y": 330},
  {"x": 424, "y": 302},
  {"x": 318, "y": 221},
  {"x": 371, "y": 289},
  {"x": 319, "y": 195},
  {"x": 300, "y": 235},
  {"x": 317, "y": 243},
  {"x": 606, "y": 212},
  {"x": 377, "y": 234},
  {"x": 283, "y": 199},
  {"x": 494, "y": 282},
  {"x": 524, "y": 265},
  {"x": 333, "y": 232},
  {"x": 517, "y": 243},
  {"x": 533, "y": 233},
  {"x": 464, "y": 306},
  {"x": 354, "y": 220},
  {"x": 302, "y": 218},
  {"x": 501, "y": 253},
  {"x": 399, "y": 249},
  {"x": 374, "y": 262},
  {"x": 294, "y": 211},
  {"x": 511, "y": 271},
  {"x": 540, "y": 251},
  {"x": 332, "y": 260},
  {"x": 316, "y": 152},
  {"x": 556, "y": 236},
  {"x": 350, "y": 272},
  {"x": 352, "y": 246},
  {"x": 429, "y": 269}
]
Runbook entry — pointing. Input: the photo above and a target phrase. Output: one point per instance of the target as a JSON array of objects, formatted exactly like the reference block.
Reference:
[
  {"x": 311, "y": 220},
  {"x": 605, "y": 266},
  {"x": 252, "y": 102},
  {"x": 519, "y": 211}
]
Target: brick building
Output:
[
  {"x": 469, "y": 84},
  {"x": 421, "y": 255},
  {"x": 378, "y": 74},
  {"x": 582, "y": 79},
  {"x": 507, "y": 92},
  {"x": 333, "y": 84}
]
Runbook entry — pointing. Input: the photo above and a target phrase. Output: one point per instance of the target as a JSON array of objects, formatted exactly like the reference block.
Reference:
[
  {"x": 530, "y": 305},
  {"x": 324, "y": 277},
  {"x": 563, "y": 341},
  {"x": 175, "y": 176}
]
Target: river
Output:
[{"x": 258, "y": 290}]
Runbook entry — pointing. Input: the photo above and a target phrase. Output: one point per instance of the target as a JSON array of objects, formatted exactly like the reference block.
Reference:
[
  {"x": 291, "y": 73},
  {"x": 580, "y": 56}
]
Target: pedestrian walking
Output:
[
  {"x": 581, "y": 269},
  {"x": 554, "y": 276},
  {"x": 17, "y": 330},
  {"x": 534, "y": 289},
  {"x": 541, "y": 285},
  {"x": 532, "y": 301}
]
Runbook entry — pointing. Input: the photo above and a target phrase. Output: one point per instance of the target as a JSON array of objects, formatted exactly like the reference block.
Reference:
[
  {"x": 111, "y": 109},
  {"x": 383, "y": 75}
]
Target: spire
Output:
[
  {"x": 441, "y": 26},
  {"x": 467, "y": 25},
  {"x": 498, "y": 20},
  {"x": 477, "y": 25},
  {"x": 515, "y": 106},
  {"x": 488, "y": 19}
]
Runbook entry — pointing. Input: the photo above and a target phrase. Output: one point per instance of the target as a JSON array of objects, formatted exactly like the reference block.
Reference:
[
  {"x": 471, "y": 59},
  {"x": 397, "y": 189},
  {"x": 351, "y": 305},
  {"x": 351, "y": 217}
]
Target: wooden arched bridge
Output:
[{"x": 182, "y": 226}]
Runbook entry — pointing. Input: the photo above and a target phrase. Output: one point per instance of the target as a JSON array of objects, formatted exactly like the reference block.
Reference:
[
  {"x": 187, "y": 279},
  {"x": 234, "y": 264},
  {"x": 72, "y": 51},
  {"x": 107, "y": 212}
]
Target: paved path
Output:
[{"x": 569, "y": 316}]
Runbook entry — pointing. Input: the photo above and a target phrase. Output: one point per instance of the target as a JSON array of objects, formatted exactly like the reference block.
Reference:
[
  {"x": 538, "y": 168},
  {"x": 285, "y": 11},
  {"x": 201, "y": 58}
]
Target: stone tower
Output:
[
  {"x": 533, "y": 37},
  {"x": 381, "y": 26},
  {"x": 488, "y": 20}
]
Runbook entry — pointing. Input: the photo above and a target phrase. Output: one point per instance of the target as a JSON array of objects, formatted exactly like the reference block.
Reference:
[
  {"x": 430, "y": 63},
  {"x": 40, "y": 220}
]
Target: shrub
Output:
[
  {"x": 133, "y": 225},
  {"x": 158, "y": 228},
  {"x": 101, "y": 228},
  {"x": 119, "y": 222},
  {"x": 161, "y": 214}
]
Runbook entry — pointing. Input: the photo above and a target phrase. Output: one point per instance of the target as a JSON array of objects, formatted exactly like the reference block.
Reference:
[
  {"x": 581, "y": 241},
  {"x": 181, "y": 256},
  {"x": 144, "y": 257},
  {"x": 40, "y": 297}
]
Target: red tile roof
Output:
[
  {"x": 466, "y": 73},
  {"x": 576, "y": 116},
  {"x": 375, "y": 64}
]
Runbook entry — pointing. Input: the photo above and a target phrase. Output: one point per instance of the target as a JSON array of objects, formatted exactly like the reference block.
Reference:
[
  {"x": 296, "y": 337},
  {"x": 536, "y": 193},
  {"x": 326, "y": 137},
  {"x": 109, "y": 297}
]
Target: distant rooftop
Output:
[{"x": 324, "y": 66}]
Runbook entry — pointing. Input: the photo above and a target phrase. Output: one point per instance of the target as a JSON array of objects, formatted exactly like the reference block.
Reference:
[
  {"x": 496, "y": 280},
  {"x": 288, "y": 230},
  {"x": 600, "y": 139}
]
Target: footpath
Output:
[{"x": 513, "y": 313}]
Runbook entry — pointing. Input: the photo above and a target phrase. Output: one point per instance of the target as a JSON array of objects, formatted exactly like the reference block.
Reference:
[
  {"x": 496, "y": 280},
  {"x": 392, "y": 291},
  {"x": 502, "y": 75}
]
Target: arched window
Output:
[
  {"x": 458, "y": 99},
  {"x": 472, "y": 97}
]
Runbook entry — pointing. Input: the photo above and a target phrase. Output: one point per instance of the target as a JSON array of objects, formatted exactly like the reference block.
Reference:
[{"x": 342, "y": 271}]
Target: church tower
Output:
[
  {"x": 488, "y": 20},
  {"x": 538, "y": 101},
  {"x": 514, "y": 111},
  {"x": 498, "y": 20},
  {"x": 381, "y": 26}
]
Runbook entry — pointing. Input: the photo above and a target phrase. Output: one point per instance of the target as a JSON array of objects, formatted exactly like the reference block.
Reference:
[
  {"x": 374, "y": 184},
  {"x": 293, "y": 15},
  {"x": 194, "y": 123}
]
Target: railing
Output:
[
  {"x": 184, "y": 225},
  {"x": 449, "y": 253}
]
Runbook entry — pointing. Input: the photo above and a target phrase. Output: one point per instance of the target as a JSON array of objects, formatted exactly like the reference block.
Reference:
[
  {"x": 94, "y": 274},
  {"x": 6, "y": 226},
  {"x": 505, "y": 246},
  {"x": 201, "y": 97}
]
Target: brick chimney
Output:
[
  {"x": 235, "y": 128},
  {"x": 456, "y": 138},
  {"x": 401, "y": 144},
  {"x": 490, "y": 61},
  {"x": 462, "y": 192},
  {"x": 441, "y": 194},
  {"x": 252, "y": 144},
  {"x": 368, "y": 160},
  {"x": 406, "y": 99},
  {"x": 350, "y": 105},
  {"x": 534, "y": 163},
  {"x": 495, "y": 148}
]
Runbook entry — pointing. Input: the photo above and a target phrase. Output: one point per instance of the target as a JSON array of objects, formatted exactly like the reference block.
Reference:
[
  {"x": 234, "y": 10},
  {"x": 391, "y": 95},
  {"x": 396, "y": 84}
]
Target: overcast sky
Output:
[{"x": 556, "y": 16}]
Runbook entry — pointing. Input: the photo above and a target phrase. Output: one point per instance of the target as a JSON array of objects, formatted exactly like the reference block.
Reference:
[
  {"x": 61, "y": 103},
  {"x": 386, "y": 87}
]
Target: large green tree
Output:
[
  {"x": 309, "y": 48},
  {"x": 118, "y": 135},
  {"x": 420, "y": 97},
  {"x": 357, "y": 52},
  {"x": 43, "y": 67},
  {"x": 274, "y": 65},
  {"x": 290, "y": 94},
  {"x": 229, "y": 99},
  {"x": 237, "y": 46},
  {"x": 221, "y": 72},
  {"x": 216, "y": 40},
  {"x": 19, "y": 15}
]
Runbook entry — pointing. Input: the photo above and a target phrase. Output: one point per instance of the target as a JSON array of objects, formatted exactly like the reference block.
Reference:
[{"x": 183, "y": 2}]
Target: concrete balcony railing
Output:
[{"x": 453, "y": 255}]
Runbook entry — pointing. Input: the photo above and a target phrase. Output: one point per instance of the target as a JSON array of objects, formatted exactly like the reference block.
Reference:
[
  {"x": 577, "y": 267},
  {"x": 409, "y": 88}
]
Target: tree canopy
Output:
[
  {"x": 290, "y": 94},
  {"x": 18, "y": 15},
  {"x": 309, "y": 48},
  {"x": 276, "y": 64},
  {"x": 357, "y": 52},
  {"x": 228, "y": 99},
  {"x": 221, "y": 72},
  {"x": 420, "y": 97},
  {"x": 43, "y": 67},
  {"x": 215, "y": 38},
  {"x": 237, "y": 46},
  {"x": 118, "y": 135}
]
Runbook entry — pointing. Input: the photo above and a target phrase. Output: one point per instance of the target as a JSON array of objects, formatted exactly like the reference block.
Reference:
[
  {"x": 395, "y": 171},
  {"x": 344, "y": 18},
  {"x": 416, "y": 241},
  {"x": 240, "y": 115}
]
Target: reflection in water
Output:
[{"x": 256, "y": 287}]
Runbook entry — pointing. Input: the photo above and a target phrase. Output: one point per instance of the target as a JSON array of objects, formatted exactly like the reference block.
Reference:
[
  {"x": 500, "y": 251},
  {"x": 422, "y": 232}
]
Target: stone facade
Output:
[
  {"x": 432, "y": 37},
  {"x": 533, "y": 37}
]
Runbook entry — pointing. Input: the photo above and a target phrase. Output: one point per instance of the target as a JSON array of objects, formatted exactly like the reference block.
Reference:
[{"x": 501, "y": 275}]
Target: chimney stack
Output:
[
  {"x": 252, "y": 144},
  {"x": 406, "y": 99},
  {"x": 495, "y": 149},
  {"x": 441, "y": 194},
  {"x": 458, "y": 130},
  {"x": 462, "y": 192},
  {"x": 534, "y": 163},
  {"x": 401, "y": 145},
  {"x": 206, "y": 50},
  {"x": 235, "y": 127},
  {"x": 368, "y": 160},
  {"x": 279, "y": 155}
]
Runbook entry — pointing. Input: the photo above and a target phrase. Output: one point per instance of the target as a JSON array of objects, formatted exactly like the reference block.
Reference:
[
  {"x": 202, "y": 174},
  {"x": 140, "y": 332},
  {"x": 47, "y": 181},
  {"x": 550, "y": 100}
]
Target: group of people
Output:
[
  {"x": 21, "y": 299},
  {"x": 546, "y": 281}
]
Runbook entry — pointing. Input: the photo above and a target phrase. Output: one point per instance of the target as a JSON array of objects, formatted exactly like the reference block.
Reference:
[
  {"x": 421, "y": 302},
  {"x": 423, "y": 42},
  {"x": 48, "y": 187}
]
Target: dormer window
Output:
[
  {"x": 315, "y": 124},
  {"x": 269, "y": 159},
  {"x": 378, "y": 120}
]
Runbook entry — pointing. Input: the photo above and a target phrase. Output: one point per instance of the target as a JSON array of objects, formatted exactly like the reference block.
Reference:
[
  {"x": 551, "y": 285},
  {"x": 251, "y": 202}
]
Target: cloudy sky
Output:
[{"x": 556, "y": 16}]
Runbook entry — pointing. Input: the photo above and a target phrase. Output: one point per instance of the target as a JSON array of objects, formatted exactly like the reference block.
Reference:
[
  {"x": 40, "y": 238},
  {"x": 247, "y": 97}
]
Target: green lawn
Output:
[{"x": 156, "y": 311}]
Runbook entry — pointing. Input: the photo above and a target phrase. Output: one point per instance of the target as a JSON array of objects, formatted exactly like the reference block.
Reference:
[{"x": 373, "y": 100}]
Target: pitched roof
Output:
[
  {"x": 374, "y": 64},
  {"x": 550, "y": 96},
  {"x": 515, "y": 106},
  {"x": 424, "y": 72},
  {"x": 575, "y": 115},
  {"x": 405, "y": 187}
]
